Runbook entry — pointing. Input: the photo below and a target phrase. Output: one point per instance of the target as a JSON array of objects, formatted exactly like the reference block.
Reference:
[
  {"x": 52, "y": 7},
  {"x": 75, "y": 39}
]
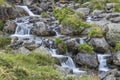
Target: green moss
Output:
[
  {"x": 61, "y": 45},
  {"x": 75, "y": 23},
  {"x": 117, "y": 46},
  {"x": 44, "y": 15},
  {"x": 85, "y": 48},
  {"x": 1, "y": 25},
  {"x": 95, "y": 31},
  {"x": 4, "y": 41},
  {"x": 62, "y": 13},
  {"x": 116, "y": 7}
]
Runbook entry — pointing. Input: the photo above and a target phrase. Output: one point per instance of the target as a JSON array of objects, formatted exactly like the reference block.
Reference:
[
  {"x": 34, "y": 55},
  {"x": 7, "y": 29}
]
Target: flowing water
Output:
[{"x": 102, "y": 58}]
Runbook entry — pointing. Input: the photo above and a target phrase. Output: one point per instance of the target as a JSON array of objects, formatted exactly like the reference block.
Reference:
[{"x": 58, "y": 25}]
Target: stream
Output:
[{"x": 23, "y": 31}]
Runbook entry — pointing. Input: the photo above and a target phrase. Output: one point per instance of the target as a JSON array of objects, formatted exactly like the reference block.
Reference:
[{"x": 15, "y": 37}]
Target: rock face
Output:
[
  {"x": 9, "y": 27},
  {"x": 116, "y": 58},
  {"x": 113, "y": 34},
  {"x": 100, "y": 45},
  {"x": 87, "y": 60},
  {"x": 40, "y": 29}
]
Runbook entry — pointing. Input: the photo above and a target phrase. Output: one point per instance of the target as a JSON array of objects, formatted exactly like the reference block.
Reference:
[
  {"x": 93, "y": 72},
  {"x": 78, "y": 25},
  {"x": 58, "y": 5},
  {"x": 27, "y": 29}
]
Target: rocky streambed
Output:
[{"x": 83, "y": 50}]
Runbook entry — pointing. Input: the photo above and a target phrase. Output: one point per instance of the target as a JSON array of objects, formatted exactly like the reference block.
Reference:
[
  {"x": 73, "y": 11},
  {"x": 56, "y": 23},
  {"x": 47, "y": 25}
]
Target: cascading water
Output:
[
  {"x": 26, "y": 9},
  {"x": 102, "y": 60}
]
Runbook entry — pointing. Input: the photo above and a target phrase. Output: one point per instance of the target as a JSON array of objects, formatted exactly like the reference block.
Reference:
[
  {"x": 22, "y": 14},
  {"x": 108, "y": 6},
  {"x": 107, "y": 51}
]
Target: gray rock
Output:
[
  {"x": 40, "y": 29},
  {"x": 90, "y": 61},
  {"x": 113, "y": 34},
  {"x": 115, "y": 20},
  {"x": 100, "y": 45},
  {"x": 84, "y": 11},
  {"x": 116, "y": 58},
  {"x": 9, "y": 27},
  {"x": 41, "y": 50},
  {"x": 23, "y": 50}
]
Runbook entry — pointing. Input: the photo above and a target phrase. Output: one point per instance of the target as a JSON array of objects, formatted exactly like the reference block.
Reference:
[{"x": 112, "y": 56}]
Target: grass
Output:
[
  {"x": 4, "y": 41},
  {"x": 3, "y": 2},
  {"x": 35, "y": 66},
  {"x": 44, "y": 15},
  {"x": 85, "y": 48},
  {"x": 1, "y": 25},
  {"x": 117, "y": 46}
]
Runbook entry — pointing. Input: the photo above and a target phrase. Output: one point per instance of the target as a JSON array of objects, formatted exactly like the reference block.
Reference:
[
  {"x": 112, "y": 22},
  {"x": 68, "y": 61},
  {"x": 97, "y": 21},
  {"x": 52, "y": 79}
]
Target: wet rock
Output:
[
  {"x": 100, "y": 45},
  {"x": 9, "y": 27},
  {"x": 40, "y": 29},
  {"x": 112, "y": 36},
  {"x": 87, "y": 60},
  {"x": 115, "y": 20}
]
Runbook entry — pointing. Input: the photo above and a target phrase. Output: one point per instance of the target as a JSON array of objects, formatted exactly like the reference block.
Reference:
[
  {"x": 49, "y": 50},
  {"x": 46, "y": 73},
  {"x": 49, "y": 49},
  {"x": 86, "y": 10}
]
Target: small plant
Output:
[
  {"x": 95, "y": 31},
  {"x": 117, "y": 46},
  {"x": 4, "y": 41},
  {"x": 44, "y": 15},
  {"x": 62, "y": 13},
  {"x": 61, "y": 45},
  {"x": 74, "y": 22},
  {"x": 85, "y": 48},
  {"x": 1, "y": 25}
]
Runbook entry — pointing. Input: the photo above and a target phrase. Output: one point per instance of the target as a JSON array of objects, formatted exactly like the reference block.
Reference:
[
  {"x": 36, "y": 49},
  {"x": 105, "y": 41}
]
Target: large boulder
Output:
[
  {"x": 40, "y": 29},
  {"x": 113, "y": 34},
  {"x": 9, "y": 27},
  {"x": 100, "y": 45},
  {"x": 84, "y": 11},
  {"x": 90, "y": 61}
]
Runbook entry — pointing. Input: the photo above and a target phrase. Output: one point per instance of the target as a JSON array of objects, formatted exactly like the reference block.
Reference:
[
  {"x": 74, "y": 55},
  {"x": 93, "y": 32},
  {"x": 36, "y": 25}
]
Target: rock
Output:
[
  {"x": 40, "y": 29},
  {"x": 23, "y": 50},
  {"x": 72, "y": 46},
  {"x": 111, "y": 75},
  {"x": 9, "y": 27},
  {"x": 115, "y": 20},
  {"x": 116, "y": 58},
  {"x": 84, "y": 11},
  {"x": 30, "y": 45},
  {"x": 113, "y": 34},
  {"x": 27, "y": 2},
  {"x": 41, "y": 50},
  {"x": 99, "y": 44},
  {"x": 97, "y": 12},
  {"x": 87, "y": 60}
]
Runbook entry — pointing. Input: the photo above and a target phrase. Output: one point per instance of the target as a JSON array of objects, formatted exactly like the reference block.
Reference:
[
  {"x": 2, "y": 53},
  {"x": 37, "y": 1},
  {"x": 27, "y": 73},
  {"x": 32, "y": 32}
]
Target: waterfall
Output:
[
  {"x": 102, "y": 58},
  {"x": 27, "y": 10}
]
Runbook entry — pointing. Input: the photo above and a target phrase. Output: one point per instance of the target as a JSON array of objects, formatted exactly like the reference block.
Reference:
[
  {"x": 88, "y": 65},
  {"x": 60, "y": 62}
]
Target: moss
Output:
[
  {"x": 95, "y": 31},
  {"x": 61, "y": 45},
  {"x": 1, "y": 25},
  {"x": 4, "y": 41},
  {"x": 74, "y": 22},
  {"x": 62, "y": 13},
  {"x": 85, "y": 48},
  {"x": 116, "y": 7},
  {"x": 117, "y": 46},
  {"x": 44, "y": 15}
]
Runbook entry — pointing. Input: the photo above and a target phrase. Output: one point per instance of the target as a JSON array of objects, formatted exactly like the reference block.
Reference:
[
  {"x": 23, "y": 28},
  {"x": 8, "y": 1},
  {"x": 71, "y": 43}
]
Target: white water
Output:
[
  {"x": 27, "y": 10},
  {"x": 102, "y": 60}
]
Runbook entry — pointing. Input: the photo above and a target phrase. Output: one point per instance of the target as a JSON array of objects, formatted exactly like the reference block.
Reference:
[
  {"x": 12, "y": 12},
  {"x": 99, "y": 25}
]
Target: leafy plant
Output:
[
  {"x": 4, "y": 41},
  {"x": 85, "y": 48},
  {"x": 117, "y": 46}
]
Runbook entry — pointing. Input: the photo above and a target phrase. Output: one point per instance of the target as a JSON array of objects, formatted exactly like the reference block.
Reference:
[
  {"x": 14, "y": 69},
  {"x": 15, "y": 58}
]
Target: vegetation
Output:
[
  {"x": 62, "y": 13},
  {"x": 44, "y": 15},
  {"x": 3, "y": 2},
  {"x": 116, "y": 7},
  {"x": 61, "y": 45},
  {"x": 4, "y": 41},
  {"x": 117, "y": 46},
  {"x": 85, "y": 48},
  {"x": 35, "y": 66},
  {"x": 1, "y": 25},
  {"x": 95, "y": 31}
]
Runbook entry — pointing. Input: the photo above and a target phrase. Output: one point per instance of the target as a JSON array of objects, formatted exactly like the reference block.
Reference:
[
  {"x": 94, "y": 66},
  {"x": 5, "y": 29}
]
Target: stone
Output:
[
  {"x": 88, "y": 60},
  {"x": 99, "y": 44},
  {"x": 23, "y": 50},
  {"x": 41, "y": 50},
  {"x": 116, "y": 58},
  {"x": 9, "y": 27},
  {"x": 84, "y": 11},
  {"x": 113, "y": 34}
]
